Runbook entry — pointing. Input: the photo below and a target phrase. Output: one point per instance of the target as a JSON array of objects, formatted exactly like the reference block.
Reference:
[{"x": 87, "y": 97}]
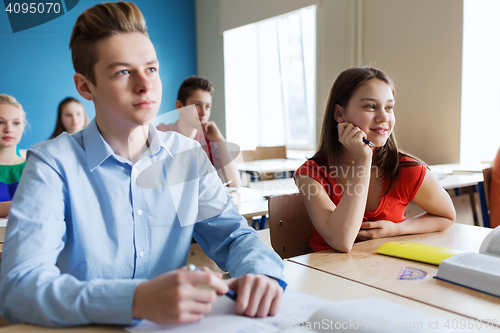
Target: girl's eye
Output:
[
  {"x": 123, "y": 72},
  {"x": 390, "y": 108},
  {"x": 371, "y": 106},
  {"x": 152, "y": 70},
  {"x": 16, "y": 123}
]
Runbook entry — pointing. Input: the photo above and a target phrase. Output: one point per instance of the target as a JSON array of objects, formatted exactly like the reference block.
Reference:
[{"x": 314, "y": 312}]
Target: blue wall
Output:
[{"x": 36, "y": 67}]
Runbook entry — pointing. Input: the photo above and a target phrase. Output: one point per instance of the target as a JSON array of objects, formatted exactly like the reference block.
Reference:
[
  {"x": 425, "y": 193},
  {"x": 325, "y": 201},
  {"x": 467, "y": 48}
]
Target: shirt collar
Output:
[
  {"x": 98, "y": 150},
  {"x": 156, "y": 142}
]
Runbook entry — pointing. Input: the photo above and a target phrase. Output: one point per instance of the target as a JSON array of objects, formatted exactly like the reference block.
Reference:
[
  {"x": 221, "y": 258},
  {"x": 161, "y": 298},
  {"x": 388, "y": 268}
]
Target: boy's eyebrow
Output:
[
  {"x": 126, "y": 64},
  {"x": 197, "y": 101}
]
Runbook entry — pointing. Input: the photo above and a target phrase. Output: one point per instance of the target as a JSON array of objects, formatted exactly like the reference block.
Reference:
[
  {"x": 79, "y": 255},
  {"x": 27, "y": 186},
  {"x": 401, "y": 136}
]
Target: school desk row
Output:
[
  {"x": 252, "y": 201},
  {"x": 364, "y": 274}
]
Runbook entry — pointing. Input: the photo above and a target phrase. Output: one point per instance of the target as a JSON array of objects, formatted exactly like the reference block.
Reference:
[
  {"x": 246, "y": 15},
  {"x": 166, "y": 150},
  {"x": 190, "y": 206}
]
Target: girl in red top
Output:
[{"x": 353, "y": 190}]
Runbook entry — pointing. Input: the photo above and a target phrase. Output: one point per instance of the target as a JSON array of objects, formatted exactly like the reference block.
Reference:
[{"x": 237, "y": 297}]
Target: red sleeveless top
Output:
[{"x": 392, "y": 205}]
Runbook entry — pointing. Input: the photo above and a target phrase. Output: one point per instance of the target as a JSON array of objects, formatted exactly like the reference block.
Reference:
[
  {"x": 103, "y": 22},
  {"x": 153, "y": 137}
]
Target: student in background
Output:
[
  {"x": 356, "y": 192},
  {"x": 71, "y": 117},
  {"x": 12, "y": 123},
  {"x": 198, "y": 91},
  {"x": 95, "y": 234},
  {"x": 495, "y": 193}
]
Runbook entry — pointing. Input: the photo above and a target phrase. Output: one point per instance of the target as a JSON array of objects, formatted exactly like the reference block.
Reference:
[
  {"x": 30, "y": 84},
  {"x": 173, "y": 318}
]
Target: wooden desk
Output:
[
  {"x": 275, "y": 186},
  {"x": 270, "y": 165},
  {"x": 299, "y": 278},
  {"x": 287, "y": 185},
  {"x": 249, "y": 202},
  {"x": 365, "y": 266},
  {"x": 270, "y": 168},
  {"x": 450, "y": 168},
  {"x": 460, "y": 180}
]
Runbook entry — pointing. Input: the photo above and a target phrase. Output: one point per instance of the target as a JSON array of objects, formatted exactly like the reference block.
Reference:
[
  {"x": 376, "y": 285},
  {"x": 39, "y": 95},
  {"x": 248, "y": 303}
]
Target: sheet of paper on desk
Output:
[
  {"x": 295, "y": 307},
  {"x": 308, "y": 313}
]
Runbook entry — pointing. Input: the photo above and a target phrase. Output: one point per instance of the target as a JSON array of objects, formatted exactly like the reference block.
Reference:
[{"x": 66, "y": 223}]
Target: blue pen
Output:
[
  {"x": 368, "y": 142},
  {"x": 231, "y": 294}
]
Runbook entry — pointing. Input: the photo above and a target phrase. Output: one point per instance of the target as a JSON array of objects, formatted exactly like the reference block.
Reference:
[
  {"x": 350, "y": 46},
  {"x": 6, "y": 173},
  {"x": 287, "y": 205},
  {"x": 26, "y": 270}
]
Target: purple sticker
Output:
[{"x": 410, "y": 273}]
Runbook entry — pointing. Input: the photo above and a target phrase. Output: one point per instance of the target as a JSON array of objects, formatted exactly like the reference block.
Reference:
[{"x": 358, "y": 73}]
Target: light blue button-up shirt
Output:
[{"x": 86, "y": 226}]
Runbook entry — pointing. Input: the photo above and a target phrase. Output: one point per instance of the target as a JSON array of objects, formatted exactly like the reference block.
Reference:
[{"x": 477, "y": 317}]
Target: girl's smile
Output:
[{"x": 371, "y": 108}]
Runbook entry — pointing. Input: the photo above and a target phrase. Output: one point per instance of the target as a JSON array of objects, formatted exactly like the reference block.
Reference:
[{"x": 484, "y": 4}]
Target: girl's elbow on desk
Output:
[{"x": 341, "y": 245}]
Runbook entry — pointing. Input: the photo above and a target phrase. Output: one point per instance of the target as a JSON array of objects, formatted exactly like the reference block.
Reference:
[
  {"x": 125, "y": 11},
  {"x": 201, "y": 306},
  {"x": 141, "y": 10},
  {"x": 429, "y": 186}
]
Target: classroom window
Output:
[
  {"x": 480, "y": 119},
  {"x": 269, "y": 72}
]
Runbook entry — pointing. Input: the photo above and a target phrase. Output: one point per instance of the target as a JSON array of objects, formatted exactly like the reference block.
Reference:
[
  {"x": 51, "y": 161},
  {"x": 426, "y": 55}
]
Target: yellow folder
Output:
[{"x": 416, "y": 251}]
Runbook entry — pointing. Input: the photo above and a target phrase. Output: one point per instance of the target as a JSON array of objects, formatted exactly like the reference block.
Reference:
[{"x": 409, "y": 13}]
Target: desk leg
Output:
[
  {"x": 254, "y": 176},
  {"x": 484, "y": 209},
  {"x": 261, "y": 222}
]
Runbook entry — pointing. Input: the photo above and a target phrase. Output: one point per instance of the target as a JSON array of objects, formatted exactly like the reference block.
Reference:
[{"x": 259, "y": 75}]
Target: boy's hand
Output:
[
  {"x": 173, "y": 297},
  {"x": 212, "y": 132},
  {"x": 258, "y": 295}
]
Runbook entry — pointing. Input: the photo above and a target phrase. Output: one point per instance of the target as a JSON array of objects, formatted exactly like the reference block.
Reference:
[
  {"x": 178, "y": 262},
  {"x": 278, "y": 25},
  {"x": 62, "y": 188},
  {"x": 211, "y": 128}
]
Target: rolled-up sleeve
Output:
[{"x": 226, "y": 237}]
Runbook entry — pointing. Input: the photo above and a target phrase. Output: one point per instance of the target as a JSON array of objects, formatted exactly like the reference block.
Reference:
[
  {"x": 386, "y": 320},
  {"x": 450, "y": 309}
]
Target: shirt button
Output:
[
  {"x": 139, "y": 212},
  {"x": 141, "y": 254}
]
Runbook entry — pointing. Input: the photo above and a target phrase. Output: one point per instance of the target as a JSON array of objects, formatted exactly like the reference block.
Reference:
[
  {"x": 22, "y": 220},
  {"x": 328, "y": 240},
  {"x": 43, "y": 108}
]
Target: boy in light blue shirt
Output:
[{"x": 101, "y": 223}]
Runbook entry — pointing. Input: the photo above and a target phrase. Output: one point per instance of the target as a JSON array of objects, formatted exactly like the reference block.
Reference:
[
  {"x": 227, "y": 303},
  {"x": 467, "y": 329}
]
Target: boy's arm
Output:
[
  {"x": 32, "y": 288},
  {"x": 224, "y": 235},
  {"x": 228, "y": 170},
  {"x": 235, "y": 247}
]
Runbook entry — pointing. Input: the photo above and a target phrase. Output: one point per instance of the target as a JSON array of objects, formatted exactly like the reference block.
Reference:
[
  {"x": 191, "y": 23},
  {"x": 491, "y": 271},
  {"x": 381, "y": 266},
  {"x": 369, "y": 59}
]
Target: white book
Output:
[
  {"x": 479, "y": 271},
  {"x": 301, "y": 312}
]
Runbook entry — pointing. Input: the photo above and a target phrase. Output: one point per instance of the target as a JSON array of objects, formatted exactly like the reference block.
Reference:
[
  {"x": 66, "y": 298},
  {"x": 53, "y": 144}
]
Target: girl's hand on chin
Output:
[{"x": 351, "y": 137}]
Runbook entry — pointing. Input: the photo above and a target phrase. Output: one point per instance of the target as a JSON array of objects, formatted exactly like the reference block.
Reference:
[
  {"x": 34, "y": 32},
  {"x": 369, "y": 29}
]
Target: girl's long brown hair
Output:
[
  {"x": 59, "y": 124},
  {"x": 387, "y": 158}
]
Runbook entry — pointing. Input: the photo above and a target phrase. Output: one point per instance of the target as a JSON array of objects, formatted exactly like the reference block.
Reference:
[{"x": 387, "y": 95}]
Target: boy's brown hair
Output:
[
  {"x": 191, "y": 84},
  {"x": 97, "y": 23}
]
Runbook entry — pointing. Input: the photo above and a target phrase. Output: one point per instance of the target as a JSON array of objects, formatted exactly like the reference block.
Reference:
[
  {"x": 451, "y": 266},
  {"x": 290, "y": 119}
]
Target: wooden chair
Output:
[
  {"x": 290, "y": 226},
  {"x": 263, "y": 153},
  {"x": 266, "y": 153},
  {"x": 248, "y": 155}
]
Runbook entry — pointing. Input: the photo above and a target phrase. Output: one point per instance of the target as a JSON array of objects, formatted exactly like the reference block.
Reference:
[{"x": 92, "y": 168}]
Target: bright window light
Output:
[
  {"x": 479, "y": 133},
  {"x": 270, "y": 80}
]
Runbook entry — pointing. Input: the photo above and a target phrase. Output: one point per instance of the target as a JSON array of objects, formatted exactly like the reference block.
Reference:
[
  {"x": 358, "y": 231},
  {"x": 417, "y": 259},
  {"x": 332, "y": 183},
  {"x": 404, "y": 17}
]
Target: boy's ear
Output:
[
  {"x": 82, "y": 84},
  {"x": 339, "y": 113},
  {"x": 178, "y": 104}
]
